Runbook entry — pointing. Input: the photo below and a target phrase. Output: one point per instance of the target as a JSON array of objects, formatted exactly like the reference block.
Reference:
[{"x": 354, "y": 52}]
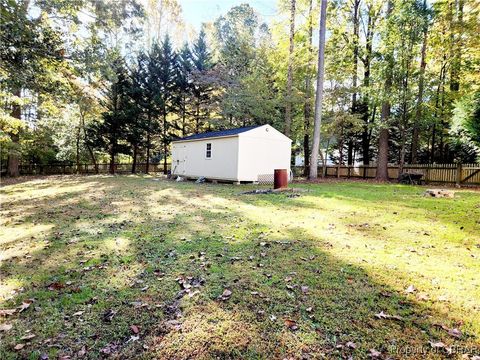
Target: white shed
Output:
[{"x": 244, "y": 154}]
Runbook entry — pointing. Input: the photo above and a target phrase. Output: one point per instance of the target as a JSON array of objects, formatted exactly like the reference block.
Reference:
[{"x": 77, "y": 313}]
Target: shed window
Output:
[{"x": 208, "y": 153}]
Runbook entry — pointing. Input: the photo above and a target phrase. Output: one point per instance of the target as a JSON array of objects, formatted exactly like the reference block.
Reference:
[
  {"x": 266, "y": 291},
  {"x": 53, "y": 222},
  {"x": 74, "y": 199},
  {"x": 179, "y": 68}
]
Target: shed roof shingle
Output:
[{"x": 220, "y": 133}]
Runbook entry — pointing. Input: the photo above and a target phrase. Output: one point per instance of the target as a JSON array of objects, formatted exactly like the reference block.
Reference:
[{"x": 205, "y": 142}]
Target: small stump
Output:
[{"x": 440, "y": 193}]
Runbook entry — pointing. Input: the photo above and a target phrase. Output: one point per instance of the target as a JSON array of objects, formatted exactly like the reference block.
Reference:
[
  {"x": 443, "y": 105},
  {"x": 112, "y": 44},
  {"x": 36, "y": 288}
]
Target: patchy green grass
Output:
[{"x": 130, "y": 267}]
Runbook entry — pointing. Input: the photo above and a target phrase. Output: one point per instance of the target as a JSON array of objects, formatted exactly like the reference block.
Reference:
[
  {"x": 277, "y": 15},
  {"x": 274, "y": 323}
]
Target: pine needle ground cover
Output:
[{"x": 138, "y": 267}]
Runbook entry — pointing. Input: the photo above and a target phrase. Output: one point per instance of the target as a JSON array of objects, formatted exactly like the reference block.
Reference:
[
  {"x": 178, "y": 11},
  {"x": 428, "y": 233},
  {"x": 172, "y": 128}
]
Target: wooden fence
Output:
[
  {"x": 61, "y": 169},
  {"x": 460, "y": 174}
]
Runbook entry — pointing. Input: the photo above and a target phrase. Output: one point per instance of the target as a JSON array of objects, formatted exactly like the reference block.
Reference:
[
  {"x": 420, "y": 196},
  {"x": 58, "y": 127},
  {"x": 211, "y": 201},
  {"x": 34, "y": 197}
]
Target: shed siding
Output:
[
  {"x": 261, "y": 151},
  {"x": 222, "y": 165}
]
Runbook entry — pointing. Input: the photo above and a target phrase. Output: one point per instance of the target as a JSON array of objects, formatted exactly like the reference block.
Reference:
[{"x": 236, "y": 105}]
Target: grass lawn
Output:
[{"x": 132, "y": 267}]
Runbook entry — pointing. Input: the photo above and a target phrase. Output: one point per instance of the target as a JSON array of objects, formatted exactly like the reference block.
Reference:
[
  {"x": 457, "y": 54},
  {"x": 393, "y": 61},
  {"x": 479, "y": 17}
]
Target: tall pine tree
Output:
[
  {"x": 166, "y": 83},
  {"x": 110, "y": 134},
  {"x": 184, "y": 86},
  {"x": 202, "y": 89}
]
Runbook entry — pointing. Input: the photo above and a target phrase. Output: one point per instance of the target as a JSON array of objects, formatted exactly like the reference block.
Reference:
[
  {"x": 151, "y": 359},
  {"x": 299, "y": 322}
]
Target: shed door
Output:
[{"x": 180, "y": 161}]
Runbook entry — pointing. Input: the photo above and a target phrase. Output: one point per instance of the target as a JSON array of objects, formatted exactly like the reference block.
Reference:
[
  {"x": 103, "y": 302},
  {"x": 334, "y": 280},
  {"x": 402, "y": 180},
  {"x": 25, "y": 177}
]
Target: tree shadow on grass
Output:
[
  {"x": 132, "y": 267},
  {"x": 339, "y": 306}
]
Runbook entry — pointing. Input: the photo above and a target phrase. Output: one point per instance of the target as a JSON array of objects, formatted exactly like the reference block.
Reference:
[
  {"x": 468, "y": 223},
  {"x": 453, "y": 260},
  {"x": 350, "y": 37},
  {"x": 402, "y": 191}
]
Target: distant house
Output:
[{"x": 248, "y": 154}]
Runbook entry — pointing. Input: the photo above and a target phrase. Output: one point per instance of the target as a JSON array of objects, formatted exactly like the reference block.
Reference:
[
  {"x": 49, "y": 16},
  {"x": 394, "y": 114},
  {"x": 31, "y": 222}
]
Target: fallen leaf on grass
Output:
[
  {"x": 19, "y": 346},
  {"x": 455, "y": 333},
  {"x": 411, "y": 289},
  {"x": 374, "y": 353},
  {"x": 134, "y": 329},
  {"x": 192, "y": 294},
  {"x": 133, "y": 338},
  {"x": 305, "y": 289},
  {"x": 5, "y": 327},
  {"x": 55, "y": 286},
  {"x": 25, "y": 305},
  {"x": 437, "y": 345},
  {"x": 351, "y": 345},
  {"x": 382, "y": 315},
  {"x": 109, "y": 349},
  {"x": 452, "y": 332},
  {"x": 291, "y": 324},
  {"x": 28, "y": 337},
  {"x": 173, "y": 325},
  {"x": 423, "y": 297},
  {"x": 7, "y": 312},
  {"x": 225, "y": 295},
  {"x": 78, "y": 313},
  {"x": 108, "y": 315},
  {"x": 443, "y": 298},
  {"x": 82, "y": 352}
]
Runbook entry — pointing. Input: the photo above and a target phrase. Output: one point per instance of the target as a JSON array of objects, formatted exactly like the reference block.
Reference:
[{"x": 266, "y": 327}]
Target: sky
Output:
[{"x": 197, "y": 11}]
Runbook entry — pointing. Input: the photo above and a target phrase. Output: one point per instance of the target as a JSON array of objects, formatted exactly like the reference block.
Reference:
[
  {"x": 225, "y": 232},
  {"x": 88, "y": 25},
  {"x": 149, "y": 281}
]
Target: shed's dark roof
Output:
[{"x": 211, "y": 134}]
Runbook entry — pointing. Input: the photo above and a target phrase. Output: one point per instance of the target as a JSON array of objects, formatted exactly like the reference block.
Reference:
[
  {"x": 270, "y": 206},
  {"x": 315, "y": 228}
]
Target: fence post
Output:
[
  {"x": 459, "y": 174},
  {"x": 338, "y": 171}
]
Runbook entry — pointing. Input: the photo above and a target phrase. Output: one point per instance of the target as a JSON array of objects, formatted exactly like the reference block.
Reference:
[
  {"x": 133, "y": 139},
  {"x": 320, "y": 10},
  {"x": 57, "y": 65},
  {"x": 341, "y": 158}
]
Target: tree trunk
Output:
[
  {"x": 456, "y": 27},
  {"x": 165, "y": 145},
  {"x": 366, "y": 145},
  {"x": 432, "y": 150},
  {"x": 165, "y": 170},
  {"x": 354, "y": 109},
  {"x": 184, "y": 111},
  {"x": 197, "y": 117},
  {"x": 325, "y": 158},
  {"x": 350, "y": 151},
  {"x": 442, "y": 126},
  {"x": 111, "y": 168},
  {"x": 382, "y": 157},
  {"x": 356, "y": 25},
  {"x": 306, "y": 154},
  {"x": 13, "y": 161},
  {"x": 440, "y": 88},
  {"x": 77, "y": 144},
  {"x": 404, "y": 118},
  {"x": 418, "y": 105},
  {"x": 340, "y": 146},
  {"x": 13, "y": 157},
  {"x": 403, "y": 146},
  {"x": 319, "y": 92},
  {"x": 134, "y": 162},
  {"x": 308, "y": 98},
  {"x": 366, "y": 138},
  {"x": 89, "y": 148},
  {"x": 147, "y": 165},
  {"x": 288, "y": 99}
]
